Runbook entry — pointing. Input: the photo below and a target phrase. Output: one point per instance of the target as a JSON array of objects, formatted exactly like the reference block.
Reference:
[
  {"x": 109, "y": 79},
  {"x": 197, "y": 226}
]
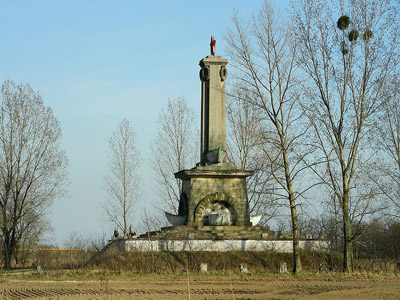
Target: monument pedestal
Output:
[{"x": 214, "y": 195}]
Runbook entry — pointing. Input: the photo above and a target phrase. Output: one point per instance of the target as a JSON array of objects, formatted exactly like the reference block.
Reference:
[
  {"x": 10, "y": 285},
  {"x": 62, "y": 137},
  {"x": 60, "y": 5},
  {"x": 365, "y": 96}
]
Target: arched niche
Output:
[{"x": 215, "y": 201}]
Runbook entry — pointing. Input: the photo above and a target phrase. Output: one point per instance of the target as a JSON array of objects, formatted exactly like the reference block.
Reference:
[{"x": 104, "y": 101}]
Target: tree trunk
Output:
[
  {"x": 296, "y": 247},
  {"x": 7, "y": 252},
  {"x": 7, "y": 259},
  {"x": 347, "y": 243},
  {"x": 125, "y": 221},
  {"x": 293, "y": 212}
]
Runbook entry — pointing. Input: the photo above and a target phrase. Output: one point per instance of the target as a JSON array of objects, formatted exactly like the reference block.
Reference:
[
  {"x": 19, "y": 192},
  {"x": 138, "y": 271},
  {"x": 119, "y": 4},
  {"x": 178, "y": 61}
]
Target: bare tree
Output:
[
  {"x": 75, "y": 240},
  {"x": 263, "y": 61},
  {"x": 121, "y": 183},
  {"x": 348, "y": 51},
  {"x": 32, "y": 164},
  {"x": 99, "y": 240},
  {"x": 175, "y": 148},
  {"x": 31, "y": 239},
  {"x": 244, "y": 122}
]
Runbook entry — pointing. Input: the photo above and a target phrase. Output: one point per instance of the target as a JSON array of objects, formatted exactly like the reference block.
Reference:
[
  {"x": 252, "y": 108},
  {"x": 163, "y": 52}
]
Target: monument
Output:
[
  {"x": 214, "y": 211},
  {"x": 213, "y": 193}
]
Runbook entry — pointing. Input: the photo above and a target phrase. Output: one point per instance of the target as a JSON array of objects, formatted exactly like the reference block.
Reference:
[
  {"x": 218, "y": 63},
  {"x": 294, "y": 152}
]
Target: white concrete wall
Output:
[{"x": 282, "y": 246}]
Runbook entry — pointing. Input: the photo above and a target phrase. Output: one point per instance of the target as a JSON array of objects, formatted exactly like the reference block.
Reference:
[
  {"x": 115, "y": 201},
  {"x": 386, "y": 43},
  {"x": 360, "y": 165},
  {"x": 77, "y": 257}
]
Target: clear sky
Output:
[{"x": 96, "y": 62}]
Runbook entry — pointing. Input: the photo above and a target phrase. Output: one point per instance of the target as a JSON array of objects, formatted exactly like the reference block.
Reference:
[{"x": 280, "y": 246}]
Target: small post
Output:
[
  {"x": 203, "y": 268},
  {"x": 282, "y": 267},
  {"x": 243, "y": 268}
]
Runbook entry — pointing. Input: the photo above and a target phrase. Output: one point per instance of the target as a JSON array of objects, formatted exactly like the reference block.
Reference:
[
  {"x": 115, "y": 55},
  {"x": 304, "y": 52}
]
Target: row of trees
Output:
[
  {"x": 174, "y": 148},
  {"x": 33, "y": 167},
  {"x": 324, "y": 86}
]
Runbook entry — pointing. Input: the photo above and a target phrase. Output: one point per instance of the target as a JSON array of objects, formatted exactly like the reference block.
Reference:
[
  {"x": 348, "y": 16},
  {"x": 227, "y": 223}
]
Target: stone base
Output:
[
  {"x": 281, "y": 246},
  {"x": 213, "y": 233}
]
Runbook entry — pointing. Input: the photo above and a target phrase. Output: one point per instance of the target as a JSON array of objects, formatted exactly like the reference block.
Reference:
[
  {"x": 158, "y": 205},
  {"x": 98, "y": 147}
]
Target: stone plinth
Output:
[
  {"x": 211, "y": 233},
  {"x": 214, "y": 189}
]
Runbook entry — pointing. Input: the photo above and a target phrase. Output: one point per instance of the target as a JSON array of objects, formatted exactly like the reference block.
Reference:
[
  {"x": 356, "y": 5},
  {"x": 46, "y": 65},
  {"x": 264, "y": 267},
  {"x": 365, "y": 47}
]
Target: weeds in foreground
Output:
[{"x": 105, "y": 276}]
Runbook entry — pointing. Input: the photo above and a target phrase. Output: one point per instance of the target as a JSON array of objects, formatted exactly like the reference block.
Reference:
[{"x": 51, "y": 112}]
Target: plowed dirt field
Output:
[{"x": 201, "y": 288}]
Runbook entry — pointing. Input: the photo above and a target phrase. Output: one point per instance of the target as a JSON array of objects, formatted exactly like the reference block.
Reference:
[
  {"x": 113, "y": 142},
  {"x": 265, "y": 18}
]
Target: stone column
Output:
[{"x": 213, "y": 120}]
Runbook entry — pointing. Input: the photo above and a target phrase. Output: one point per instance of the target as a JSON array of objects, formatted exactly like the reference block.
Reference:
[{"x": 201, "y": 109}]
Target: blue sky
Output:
[{"x": 96, "y": 62}]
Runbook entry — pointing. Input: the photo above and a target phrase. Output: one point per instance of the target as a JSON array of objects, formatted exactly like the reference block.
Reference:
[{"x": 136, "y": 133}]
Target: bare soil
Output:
[{"x": 206, "y": 287}]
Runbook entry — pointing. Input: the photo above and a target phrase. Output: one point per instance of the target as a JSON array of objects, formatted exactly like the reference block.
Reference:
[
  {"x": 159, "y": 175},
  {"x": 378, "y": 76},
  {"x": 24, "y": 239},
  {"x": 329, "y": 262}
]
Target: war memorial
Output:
[{"x": 214, "y": 210}]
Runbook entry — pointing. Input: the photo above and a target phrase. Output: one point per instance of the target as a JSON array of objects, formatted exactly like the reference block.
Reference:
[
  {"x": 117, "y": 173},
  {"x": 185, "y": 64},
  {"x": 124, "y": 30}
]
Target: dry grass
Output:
[{"x": 74, "y": 261}]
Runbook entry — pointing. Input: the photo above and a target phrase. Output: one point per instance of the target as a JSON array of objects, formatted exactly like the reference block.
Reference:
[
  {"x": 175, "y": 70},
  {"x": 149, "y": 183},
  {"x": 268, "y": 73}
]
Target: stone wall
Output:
[{"x": 281, "y": 246}]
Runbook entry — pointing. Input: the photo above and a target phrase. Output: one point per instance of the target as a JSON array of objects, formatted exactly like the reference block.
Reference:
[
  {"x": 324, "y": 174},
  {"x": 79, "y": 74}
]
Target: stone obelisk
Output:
[{"x": 213, "y": 120}]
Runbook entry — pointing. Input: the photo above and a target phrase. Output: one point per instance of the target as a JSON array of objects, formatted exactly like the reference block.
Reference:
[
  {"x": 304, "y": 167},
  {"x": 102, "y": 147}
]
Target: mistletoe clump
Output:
[
  {"x": 353, "y": 35},
  {"x": 367, "y": 35},
  {"x": 343, "y": 22}
]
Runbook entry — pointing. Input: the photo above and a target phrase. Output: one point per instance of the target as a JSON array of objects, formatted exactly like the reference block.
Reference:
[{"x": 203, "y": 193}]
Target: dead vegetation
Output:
[{"x": 167, "y": 262}]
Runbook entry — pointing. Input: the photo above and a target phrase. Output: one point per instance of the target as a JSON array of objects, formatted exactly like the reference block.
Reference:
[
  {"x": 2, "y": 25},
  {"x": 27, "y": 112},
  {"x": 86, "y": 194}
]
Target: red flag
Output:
[{"x": 212, "y": 45}]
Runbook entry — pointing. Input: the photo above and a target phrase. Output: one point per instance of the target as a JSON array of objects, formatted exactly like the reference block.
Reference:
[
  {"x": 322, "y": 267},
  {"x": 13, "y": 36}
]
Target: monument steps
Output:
[{"x": 215, "y": 233}]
